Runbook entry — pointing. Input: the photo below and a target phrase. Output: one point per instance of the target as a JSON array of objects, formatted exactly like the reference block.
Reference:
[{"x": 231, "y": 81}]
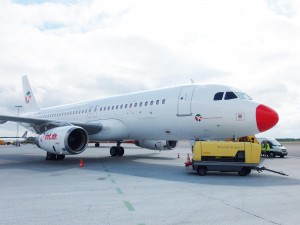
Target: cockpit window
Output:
[
  {"x": 243, "y": 96},
  {"x": 230, "y": 95},
  {"x": 219, "y": 96}
]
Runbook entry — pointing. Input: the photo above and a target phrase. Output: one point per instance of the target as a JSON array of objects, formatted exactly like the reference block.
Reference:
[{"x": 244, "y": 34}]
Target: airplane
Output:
[
  {"x": 12, "y": 140},
  {"x": 155, "y": 119}
]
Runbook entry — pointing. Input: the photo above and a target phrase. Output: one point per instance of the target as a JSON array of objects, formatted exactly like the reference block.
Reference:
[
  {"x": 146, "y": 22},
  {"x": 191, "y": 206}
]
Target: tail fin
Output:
[
  {"x": 25, "y": 134},
  {"x": 30, "y": 103}
]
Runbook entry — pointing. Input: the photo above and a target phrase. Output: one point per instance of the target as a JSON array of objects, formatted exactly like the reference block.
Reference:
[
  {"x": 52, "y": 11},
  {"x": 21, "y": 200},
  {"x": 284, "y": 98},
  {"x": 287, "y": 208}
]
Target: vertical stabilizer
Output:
[
  {"x": 30, "y": 103},
  {"x": 25, "y": 134}
]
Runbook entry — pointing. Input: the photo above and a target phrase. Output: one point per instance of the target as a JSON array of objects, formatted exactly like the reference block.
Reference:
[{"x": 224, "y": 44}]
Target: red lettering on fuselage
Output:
[{"x": 51, "y": 136}]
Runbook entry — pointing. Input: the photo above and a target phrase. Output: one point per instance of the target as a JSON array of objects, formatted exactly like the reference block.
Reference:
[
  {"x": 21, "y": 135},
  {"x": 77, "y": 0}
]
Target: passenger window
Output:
[
  {"x": 135, "y": 104},
  {"x": 121, "y": 107},
  {"x": 218, "y": 96},
  {"x": 104, "y": 108},
  {"x": 163, "y": 101},
  {"x": 117, "y": 106},
  {"x": 125, "y": 106},
  {"x": 112, "y": 108},
  {"x": 151, "y": 103},
  {"x": 141, "y": 104},
  {"x": 157, "y": 102},
  {"x": 146, "y": 103},
  {"x": 230, "y": 95},
  {"x": 130, "y": 105}
]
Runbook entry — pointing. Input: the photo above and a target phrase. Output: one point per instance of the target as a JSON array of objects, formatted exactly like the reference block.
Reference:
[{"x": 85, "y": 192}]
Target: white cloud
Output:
[{"x": 77, "y": 50}]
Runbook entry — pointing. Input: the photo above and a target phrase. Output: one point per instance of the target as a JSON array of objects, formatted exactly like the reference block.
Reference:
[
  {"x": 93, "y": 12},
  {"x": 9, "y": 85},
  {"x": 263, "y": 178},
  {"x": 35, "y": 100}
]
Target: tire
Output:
[
  {"x": 97, "y": 144},
  {"x": 244, "y": 171},
  {"x": 201, "y": 170},
  {"x": 281, "y": 156},
  {"x": 113, "y": 151},
  {"x": 120, "y": 151},
  {"x": 272, "y": 155}
]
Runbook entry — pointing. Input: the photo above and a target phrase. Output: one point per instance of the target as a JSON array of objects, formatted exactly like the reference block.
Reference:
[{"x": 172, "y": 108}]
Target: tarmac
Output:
[{"x": 143, "y": 187}]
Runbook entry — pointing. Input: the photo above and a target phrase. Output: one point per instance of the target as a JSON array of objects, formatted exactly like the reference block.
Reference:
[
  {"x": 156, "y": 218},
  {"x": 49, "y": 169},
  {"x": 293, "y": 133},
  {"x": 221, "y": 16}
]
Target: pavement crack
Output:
[
  {"x": 250, "y": 213},
  {"x": 239, "y": 209}
]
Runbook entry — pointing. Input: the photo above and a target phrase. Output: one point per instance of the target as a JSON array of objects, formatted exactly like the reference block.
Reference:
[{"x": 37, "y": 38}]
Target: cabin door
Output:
[{"x": 184, "y": 107}]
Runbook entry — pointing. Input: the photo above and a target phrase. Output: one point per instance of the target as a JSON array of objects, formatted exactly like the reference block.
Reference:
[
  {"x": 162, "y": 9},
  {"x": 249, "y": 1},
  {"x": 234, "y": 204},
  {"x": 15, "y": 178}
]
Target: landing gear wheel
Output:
[
  {"x": 201, "y": 170},
  {"x": 113, "y": 151},
  {"x": 244, "y": 171},
  {"x": 120, "y": 151}
]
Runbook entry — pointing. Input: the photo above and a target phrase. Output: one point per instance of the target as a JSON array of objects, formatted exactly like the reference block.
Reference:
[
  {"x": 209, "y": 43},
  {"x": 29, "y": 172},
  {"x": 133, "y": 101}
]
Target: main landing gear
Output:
[
  {"x": 117, "y": 150},
  {"x": 51, "y": 156}
]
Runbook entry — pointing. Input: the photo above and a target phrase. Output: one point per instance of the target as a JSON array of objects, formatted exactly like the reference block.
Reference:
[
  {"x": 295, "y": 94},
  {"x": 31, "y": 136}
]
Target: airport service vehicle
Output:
[
  {"x": 276, "y": 149},
  {"x": 223, "y": 156},
  {"x": 154, "y": 119}
]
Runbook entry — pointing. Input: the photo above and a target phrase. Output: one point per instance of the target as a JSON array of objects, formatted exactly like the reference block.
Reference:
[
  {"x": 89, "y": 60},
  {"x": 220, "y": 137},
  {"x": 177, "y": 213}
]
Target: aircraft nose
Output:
[{"x": 266, "y": 118}]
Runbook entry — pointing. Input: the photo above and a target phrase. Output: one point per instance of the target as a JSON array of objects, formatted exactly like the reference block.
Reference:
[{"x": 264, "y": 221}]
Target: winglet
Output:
[{"x": 30, "y": 103}]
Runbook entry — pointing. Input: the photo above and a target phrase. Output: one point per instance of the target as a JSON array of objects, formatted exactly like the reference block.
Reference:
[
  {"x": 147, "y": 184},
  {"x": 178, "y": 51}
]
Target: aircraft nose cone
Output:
[{"x": 266, "y": 118}]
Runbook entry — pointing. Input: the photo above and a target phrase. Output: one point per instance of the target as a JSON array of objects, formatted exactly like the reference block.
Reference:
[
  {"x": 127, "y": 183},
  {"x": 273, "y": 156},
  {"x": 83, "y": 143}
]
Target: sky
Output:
[{"x": 76, "y": 50}]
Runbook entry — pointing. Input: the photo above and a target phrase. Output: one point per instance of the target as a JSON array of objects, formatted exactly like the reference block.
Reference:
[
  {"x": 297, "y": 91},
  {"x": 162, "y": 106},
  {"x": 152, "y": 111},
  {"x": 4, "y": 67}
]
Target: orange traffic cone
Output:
[
  {"x": 178, "y": 156},
  {"x": 81, "y": 163},
  {"x": 188, "y": 160}
]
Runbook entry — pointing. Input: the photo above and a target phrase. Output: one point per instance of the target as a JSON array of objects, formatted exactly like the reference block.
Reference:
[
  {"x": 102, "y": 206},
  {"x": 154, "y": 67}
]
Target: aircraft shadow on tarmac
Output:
[{"x": 141, "y": 165}]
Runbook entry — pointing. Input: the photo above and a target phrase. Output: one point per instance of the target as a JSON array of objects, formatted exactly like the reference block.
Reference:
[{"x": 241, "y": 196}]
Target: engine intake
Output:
[{"x": 67, "y": 140}]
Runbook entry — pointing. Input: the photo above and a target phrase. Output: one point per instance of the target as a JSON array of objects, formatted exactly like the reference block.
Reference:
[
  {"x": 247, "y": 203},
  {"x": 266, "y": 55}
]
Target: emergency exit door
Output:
[{"x": 184, "y": 101}]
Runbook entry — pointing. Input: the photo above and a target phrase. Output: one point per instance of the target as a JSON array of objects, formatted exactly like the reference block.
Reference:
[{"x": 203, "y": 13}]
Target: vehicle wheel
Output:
[
  {"x": 281, "y": 156},
  {"x": 97, "y": 144},
  {"x": 244, "y": 171},
  {"x": 201, "y": 170},
  {"x": 120, "y": 151},
  {"x": 271, "y": 155},
  {"x": 113, "y": 151}
]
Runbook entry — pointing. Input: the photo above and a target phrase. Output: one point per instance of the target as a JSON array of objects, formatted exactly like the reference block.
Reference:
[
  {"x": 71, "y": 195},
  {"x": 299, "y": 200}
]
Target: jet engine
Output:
[
  {"x": 67, "y": 140},
  {"x": 156, "y": 144}
]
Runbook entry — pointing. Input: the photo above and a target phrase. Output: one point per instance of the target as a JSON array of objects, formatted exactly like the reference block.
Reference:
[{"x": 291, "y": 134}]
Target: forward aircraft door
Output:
[{"x": 184, "y": 101}]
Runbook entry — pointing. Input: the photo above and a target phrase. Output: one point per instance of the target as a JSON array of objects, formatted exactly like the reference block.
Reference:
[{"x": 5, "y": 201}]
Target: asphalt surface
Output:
[{"x": 142, "y": 187}]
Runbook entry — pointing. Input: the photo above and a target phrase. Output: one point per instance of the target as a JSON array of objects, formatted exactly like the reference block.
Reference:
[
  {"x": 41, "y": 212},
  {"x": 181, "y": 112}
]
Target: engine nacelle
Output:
[
  {"x": 67, "y": 140},
  {"x": 156, "y": 144}
]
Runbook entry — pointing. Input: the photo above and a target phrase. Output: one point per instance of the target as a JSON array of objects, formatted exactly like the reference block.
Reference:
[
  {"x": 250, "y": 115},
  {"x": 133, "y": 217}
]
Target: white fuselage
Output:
[{"x": 186, "y": 112}]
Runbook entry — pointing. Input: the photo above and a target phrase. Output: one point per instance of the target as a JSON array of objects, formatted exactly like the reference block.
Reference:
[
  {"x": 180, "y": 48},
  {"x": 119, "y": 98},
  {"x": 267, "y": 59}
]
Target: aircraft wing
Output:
[{"x": 41, "y": 125}]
